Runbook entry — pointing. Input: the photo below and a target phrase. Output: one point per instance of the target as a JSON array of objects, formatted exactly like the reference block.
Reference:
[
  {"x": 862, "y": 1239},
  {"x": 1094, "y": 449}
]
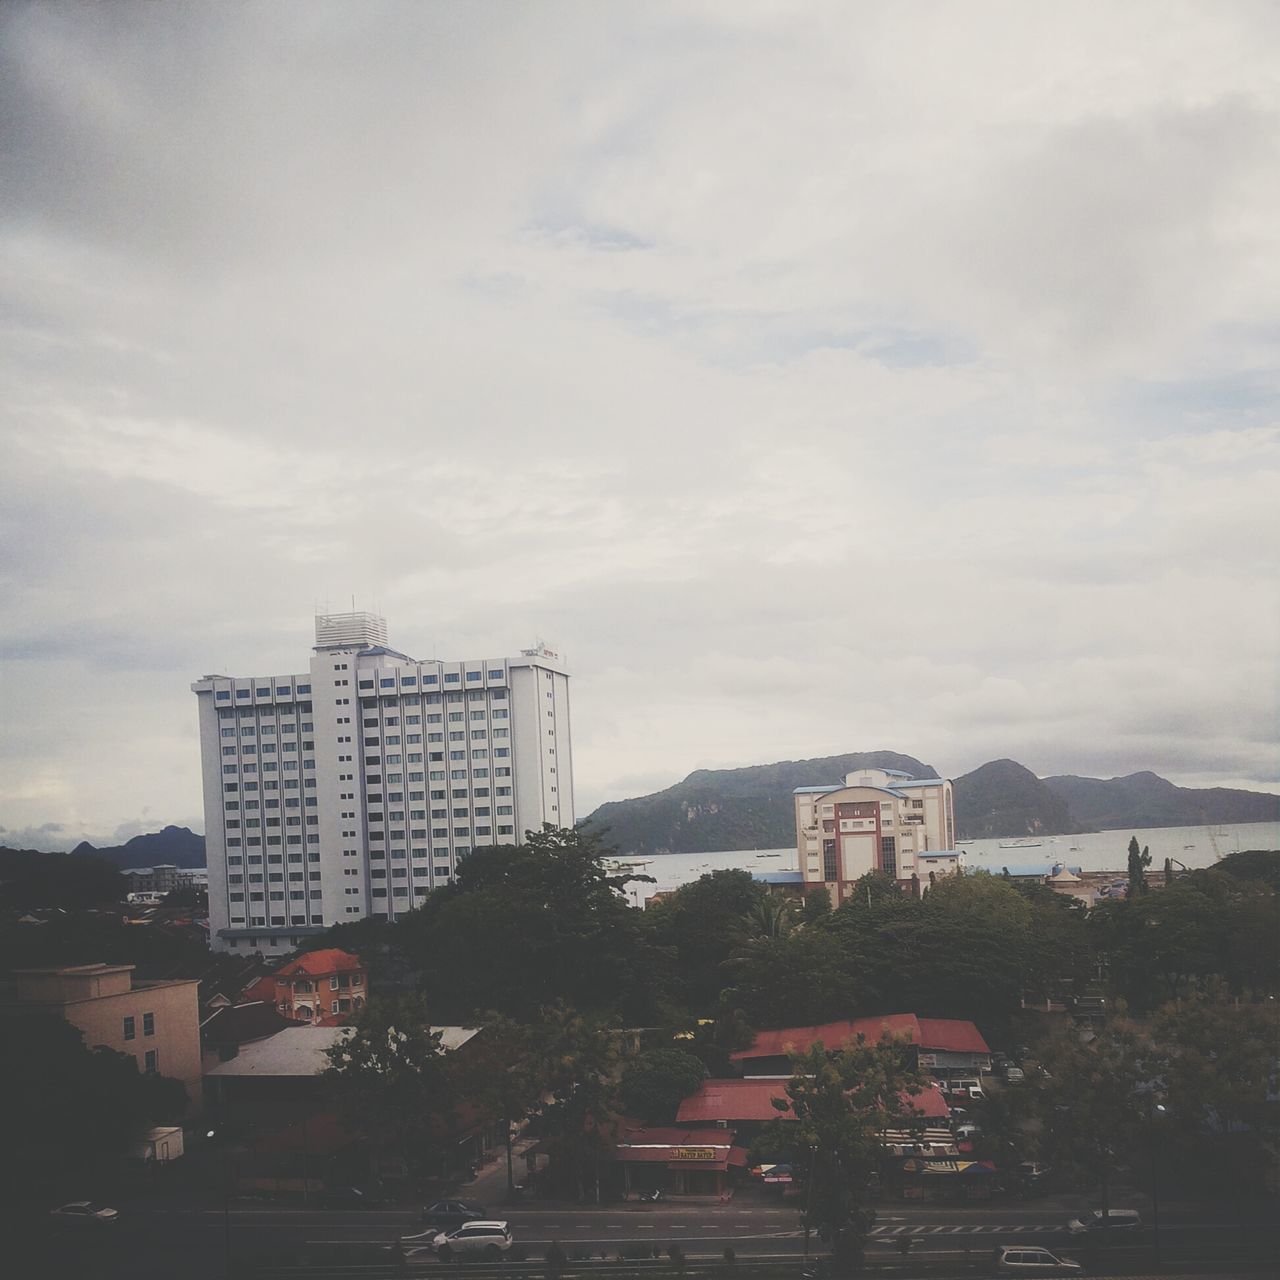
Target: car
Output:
[
  {"x": 84, "y": 1213},
  {"x": 451, "y": 1214},
  {"x": 1111, "y": 1220},
  {"x": 478, "y": 1239},
  {"x": 1014, "y": 1075},
  {"x": 1012, "y": 1260}
]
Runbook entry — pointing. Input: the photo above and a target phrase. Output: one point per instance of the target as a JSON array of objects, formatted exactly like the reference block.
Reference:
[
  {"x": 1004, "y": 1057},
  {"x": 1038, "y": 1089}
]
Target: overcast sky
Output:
[{"x": 817, "y": 378}]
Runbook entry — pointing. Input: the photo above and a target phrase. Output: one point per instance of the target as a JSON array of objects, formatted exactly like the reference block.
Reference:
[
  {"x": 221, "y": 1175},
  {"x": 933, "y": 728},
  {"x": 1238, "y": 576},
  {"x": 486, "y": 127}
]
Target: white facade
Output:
[
  {"x": 879, "y": 820},
  {"x": 354, "y": 789}
]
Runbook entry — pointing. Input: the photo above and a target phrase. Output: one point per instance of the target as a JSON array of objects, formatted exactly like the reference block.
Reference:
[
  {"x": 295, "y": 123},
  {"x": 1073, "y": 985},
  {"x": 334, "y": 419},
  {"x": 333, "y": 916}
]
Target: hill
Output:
[
  {"x": 750, "y": 808},
  {"x": 1004, "y": 798},
  {"x": 174, "y": 846},
  {"x": 1148, "y": 800}
]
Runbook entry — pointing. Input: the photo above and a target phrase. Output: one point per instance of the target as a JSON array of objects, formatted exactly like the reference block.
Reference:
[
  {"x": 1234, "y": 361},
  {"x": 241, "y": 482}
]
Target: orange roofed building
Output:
[{"x": 319, "y": 988}]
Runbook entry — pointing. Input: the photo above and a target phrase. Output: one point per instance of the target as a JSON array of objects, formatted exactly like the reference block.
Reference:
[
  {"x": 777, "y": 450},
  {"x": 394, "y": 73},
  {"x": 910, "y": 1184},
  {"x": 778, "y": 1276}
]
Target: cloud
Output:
[{"x": 818, "y": 378}]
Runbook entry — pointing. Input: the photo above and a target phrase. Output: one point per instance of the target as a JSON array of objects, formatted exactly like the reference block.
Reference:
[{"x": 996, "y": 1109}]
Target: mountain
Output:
[
  {"x": 715, "y": 809},
  {"x": 173, "y": 846},
  {"x": 1004, "y": 798},
  {"x": 1148, "y": 800},
  {"x": 752, "y": 808}
]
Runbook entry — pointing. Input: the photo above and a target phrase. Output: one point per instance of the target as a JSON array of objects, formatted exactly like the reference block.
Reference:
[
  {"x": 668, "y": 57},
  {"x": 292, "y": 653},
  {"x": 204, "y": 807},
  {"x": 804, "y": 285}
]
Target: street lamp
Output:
[{"x": 1158, "y": 1109}]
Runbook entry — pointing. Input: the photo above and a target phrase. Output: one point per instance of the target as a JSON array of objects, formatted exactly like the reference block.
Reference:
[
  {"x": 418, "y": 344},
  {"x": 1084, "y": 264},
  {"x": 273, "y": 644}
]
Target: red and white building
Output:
[
  {"x": 877, "y": 820},
  {"x": 320, "y": 988}
]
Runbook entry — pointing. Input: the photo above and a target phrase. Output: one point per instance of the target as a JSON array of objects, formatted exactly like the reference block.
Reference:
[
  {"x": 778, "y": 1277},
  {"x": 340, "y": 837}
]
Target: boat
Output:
[
  {"x": 1188, "y": 846},
  {"x": 768, "y": 855},
  {"x": 1021, "y": 844},
  {"x": 960, "y": 842}
]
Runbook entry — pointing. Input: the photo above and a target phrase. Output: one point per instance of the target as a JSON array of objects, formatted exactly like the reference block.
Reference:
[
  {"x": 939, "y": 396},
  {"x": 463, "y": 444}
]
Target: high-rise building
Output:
[
  {"x": 354, "y": 789},
  {"x": 878, "y": 820}
]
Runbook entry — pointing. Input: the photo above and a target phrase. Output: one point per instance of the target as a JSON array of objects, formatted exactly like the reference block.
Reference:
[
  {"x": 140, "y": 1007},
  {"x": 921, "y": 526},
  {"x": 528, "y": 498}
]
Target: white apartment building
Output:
[
  {"x": 354, "y": 789},
  {"x": 879, "y": 820}
]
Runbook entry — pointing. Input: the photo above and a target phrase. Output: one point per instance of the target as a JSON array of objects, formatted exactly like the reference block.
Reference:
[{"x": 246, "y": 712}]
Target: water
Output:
[{"x": 1094, "y": 851}]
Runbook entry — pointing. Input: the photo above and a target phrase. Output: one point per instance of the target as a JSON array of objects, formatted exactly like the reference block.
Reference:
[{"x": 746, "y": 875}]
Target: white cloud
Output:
[{"x": 820, "y": 377}]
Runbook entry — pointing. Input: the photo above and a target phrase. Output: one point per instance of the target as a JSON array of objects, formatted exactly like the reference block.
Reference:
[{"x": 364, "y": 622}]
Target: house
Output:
[
  {"x": 156, "y": 1022},
  {"x": 226, "y": 1028},
  {"x": 322, "y": 988}
]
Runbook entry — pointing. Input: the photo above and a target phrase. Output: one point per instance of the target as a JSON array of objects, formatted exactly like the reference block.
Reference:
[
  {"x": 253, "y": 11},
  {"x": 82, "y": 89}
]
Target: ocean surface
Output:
[{"x": 1094, "y": 851}]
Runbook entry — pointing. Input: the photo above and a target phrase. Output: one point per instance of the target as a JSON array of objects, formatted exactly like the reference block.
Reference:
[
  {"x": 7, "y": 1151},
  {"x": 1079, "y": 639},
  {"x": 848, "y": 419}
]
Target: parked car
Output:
[
  {"x": 84, "y": 1213},
  {"x": 1018, "y": 1260},
  {"x": 449, "y": 1215},
  {"x": 966, "y": 1132},
  {"x": 1014, "y": 1075},
  {"x": 479, "y": 1239},
  {"x": 1112, "y": 1220}
]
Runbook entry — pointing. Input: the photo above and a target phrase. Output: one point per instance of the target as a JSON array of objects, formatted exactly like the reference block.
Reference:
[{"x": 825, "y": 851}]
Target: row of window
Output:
[
  {"x": 281, "y": 691},
  {"x": 131, "y": 1026}
]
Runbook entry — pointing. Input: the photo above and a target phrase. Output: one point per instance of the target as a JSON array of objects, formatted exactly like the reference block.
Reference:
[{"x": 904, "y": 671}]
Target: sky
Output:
[{"x": 814, "y": 377}]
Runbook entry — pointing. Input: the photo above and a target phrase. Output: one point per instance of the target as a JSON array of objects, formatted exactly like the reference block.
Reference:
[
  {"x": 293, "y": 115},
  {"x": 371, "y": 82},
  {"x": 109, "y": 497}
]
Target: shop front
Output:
[{"x": 678, "y": 1162}]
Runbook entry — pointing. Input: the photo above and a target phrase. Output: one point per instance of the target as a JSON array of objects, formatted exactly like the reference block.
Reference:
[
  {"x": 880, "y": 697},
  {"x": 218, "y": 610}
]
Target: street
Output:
[{"x": 197, "y": 1243}]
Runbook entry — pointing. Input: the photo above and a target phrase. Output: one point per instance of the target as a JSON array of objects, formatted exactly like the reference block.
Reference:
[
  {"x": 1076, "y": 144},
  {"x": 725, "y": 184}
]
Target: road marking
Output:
[
  {"x": 646, "y": 1226},
  {"x": 915, "y": 1231},
  {"x": 933, "y": 1231}
]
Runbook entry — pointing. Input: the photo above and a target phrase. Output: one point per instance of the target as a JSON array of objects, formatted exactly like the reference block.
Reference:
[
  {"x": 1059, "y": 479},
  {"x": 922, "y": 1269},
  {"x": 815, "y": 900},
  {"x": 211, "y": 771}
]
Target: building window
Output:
[
  {"x": 889, "y": 854},
  {"x": 130, "y": 1028},
  {"x": 148, "y": 1024},
  {"x": 151, "y": 1062},
  {"x": 830, "y": 863}
]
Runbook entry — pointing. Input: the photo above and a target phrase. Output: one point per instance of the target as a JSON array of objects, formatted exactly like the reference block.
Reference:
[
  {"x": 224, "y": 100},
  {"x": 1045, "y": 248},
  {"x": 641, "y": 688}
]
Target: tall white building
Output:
[{"x": 354, "y": 789}]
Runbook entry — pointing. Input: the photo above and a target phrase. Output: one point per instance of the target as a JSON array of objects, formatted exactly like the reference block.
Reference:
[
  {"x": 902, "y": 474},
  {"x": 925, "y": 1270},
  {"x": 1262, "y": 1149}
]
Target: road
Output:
[{"x": 195, "y": 1243}]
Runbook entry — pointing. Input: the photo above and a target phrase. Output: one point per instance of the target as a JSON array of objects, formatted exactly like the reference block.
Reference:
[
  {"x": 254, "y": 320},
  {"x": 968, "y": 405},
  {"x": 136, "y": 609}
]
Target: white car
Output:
[
  {"x": 84, "y": 1213},
  {"x": 479, "y": 1239},
  {"x": 1016, "y": 1260},
  {"x": 1112, "y": 1220}
]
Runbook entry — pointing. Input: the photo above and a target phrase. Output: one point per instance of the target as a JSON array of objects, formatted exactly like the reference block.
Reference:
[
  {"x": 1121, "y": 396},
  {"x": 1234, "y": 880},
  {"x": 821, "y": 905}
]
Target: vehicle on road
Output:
[
  {"x": 1111, "y": 1220},
  {"x": 1015, "y": 1260},
  {"x": 479, "y": 1239},
  {"x": 82, "y": 1213},
  {"x": 449, "y": 1215}
]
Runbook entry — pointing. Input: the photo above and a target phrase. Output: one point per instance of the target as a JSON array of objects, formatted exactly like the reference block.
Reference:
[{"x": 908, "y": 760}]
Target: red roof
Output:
[
  {"x": 738, "y": 1101},
  {"x": 263, "y": 989},
  {"x": 320, "y": 963},
  {"x": 946, "y": 1034}
]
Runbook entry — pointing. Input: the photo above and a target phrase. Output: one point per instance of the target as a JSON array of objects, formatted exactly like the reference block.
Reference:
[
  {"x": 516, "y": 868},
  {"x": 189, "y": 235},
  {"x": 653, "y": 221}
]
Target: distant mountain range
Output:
[
  {"x": 752, "y": 808},
  {"x": 172, "y": 846}
]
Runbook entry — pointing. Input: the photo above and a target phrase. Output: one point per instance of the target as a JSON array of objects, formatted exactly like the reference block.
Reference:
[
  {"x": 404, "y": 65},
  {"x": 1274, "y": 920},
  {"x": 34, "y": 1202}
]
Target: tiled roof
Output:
[
  {"x": 949, "y": 1035},
  {"x": 752, "y": 1099},
  {"x": 320, "y": 963}
]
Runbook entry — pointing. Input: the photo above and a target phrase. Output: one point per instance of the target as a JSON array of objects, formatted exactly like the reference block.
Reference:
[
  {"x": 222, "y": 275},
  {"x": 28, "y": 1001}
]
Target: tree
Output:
[
  {"x": 841, "y": 1103},
  {"x": 500, "y": 1077},
  {"x": 524, "y": 926},
  {"x": 577, "y": 1060},
  {"x": 799, "y": 977},
  {"x": 701, "y": 924},
  {"x": 388, "y": 1075},
  {"x": 70, "y": 1113},
  {"x": 655, "y": 1082},
  {"x": 1139, "y": 861},
  {"x": 817, "y": 905}
]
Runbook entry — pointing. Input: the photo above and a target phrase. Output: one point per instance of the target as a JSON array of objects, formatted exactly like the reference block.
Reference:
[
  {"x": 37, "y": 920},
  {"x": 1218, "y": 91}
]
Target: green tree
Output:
[
  {"x": 817, "y": 905},
  {"x": 800, "y": 977},
  {"x": 70, "y": 1113},
  {"x": 655, "y": 1082},
  {"x": 701, "y": 924},
  {"x": 389, "y": 1077},
  {"x": 578, "y": 1059},
  {"x": 841, "y": 1102},
  {"x": 1139, "y": 861},
  {"x": 524, "y": 926}
]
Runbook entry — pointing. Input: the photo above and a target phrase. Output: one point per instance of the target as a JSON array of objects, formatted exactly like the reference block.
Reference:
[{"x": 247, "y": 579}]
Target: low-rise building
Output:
[
  {"x": 876, "y": 820},
  {"x": 155, "y": 1022},
  {"x": 321, "y": 988}
]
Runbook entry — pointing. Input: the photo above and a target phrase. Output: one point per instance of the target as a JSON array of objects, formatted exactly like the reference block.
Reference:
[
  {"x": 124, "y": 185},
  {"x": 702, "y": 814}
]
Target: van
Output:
[
  {"x": 1112, "y": 1220},
  {"x": 1014, "y": 1075}
]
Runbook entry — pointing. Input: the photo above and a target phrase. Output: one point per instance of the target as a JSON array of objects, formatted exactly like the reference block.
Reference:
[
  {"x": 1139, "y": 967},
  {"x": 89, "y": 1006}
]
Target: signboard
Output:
[{"x": 693, "y": 1153}]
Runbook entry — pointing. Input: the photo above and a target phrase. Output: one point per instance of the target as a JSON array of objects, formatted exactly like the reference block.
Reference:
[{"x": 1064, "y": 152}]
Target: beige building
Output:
[
  {"x": 879, "y": 820},
  {"x": 156, "y": 1022}
]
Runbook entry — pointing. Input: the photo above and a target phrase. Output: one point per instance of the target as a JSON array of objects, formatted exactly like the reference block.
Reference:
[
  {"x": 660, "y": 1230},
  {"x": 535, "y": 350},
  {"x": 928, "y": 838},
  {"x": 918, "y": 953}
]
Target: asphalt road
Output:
[{"x": 195, "y": 1243}]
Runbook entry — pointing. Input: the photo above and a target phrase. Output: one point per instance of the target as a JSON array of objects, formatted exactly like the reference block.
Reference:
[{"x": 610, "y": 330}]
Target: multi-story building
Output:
[
  {"x": 155, "y": 1022},
  {"x": 321, "y": 987},
  {"x": 355, "y": 788},
  {"x": 879, "y": 820}
]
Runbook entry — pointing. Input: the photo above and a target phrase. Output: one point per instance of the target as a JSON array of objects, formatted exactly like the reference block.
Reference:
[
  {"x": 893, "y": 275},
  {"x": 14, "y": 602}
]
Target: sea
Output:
[{"x": 1191, "y": 847}]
